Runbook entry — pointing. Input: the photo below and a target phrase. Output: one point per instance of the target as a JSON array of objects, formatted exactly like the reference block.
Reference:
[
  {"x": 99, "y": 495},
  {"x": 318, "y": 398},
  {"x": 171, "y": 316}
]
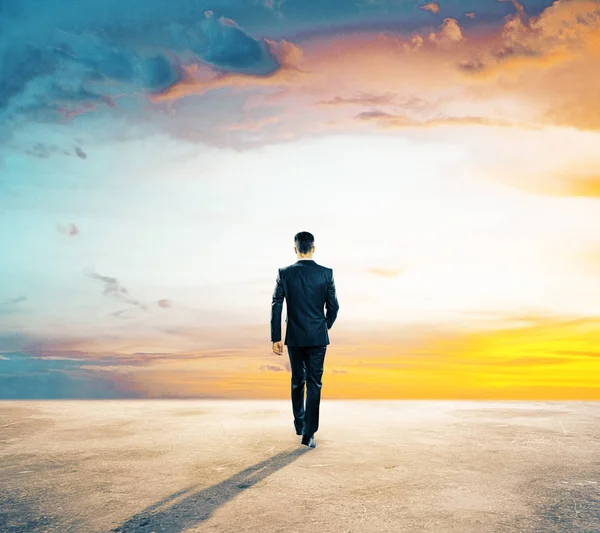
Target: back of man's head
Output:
[{"x": 304, "y": 242}]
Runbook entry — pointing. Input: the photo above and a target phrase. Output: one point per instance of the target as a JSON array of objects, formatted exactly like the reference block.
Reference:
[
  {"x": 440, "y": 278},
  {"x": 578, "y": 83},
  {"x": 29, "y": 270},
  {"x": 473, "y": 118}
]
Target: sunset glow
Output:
[{"x": 153, "y": 175}]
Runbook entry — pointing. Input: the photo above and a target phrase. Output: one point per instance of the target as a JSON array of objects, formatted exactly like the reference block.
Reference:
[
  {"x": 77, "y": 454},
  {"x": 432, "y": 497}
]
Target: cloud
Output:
[
  {"x": 13, "y": 301},
  {"x": 11, "y": 306},
  {"x": 397, "y": 121},
  {"x": 255, "y": 125},
  {"x": 272, "y": 368},
  {"x": 165, "y": 303},
  {"x": 70, "y": 229},
  {"x": 427, "y": 90},
  {"x": 553, "y": 356},
  {"x": 536, "y": 361},
  {"x": 543, "y": 351},
  {"x": 432, "y": 7},
  {"x": 221, "y": 43},
  {"x": 564, "y": 32},
  {"x": 101, "y": 351},
  {"x": 383, "y": 100},
  {"x": 41, "y": 151},
  {"x": 147, "y": 71},
  {"x": 416, "y": 42},
  {"x": 449, "y": 32},
  {"x": 76, "y": 75},
  {"x": 25, "y": 377},
  {"x": 198, "y": 78},
  {"x": 125, "y": 314},
  {"x": 75, "y": 72},
  {"x": 188, "y": 331},
  {"x": 195, "y": 74},
  {"x": 528, "y": 72},
  {"x": 549, "y": 60},
  {"x": 584, "y": 353},
  {"x": 115, "y": 290}
]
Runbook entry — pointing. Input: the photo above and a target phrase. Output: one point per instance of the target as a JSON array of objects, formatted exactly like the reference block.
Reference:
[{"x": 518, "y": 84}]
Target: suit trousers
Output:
[{"x": 306, "y": 363}]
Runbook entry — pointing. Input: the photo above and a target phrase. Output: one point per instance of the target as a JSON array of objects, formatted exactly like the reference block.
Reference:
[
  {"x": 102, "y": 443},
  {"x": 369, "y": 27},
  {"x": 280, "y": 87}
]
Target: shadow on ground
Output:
[{"x": 188, "y": 507}]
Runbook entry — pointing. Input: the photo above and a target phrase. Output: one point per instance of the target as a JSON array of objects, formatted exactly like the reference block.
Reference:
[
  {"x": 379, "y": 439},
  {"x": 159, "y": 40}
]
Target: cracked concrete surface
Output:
[{"x": 233, "y": 466}]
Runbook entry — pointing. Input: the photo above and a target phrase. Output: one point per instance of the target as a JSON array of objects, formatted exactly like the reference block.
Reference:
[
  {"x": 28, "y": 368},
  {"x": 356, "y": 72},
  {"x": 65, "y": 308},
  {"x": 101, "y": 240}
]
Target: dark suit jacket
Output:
[{"x": 307, "y": 287}]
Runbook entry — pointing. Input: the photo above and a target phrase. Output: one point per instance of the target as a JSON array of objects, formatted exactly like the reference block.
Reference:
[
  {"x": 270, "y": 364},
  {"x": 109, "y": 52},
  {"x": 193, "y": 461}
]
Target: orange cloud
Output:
[
  {"x": 522, "y": 358},
  {"x": 531, "y": 72},
  {"x": 395, "y": 121},
  {"x": 515, "y": 357},
  {"x": 550, "y": 59},
  {"x": 432, "y": 7},
  {"x": 544, "y": 64},
  {"x": 255, "y": 125},
  {"x": 197, "y": 79},
  {"x": 450, "y": 32},
  {"x": 370, "y": 99}
]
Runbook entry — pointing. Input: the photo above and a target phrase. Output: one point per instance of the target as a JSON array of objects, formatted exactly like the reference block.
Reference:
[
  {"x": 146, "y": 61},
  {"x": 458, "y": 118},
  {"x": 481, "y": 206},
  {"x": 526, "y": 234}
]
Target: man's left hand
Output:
[{"x": 278, "y": 348}]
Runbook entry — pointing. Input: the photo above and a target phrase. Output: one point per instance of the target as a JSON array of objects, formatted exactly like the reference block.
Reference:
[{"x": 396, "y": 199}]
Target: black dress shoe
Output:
[{"x": 309, "y": 441}]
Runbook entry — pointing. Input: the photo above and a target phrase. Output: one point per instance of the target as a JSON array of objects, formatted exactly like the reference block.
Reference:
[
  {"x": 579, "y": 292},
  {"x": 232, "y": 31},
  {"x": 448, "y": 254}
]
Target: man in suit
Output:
[{"x": 307, "y": 288}]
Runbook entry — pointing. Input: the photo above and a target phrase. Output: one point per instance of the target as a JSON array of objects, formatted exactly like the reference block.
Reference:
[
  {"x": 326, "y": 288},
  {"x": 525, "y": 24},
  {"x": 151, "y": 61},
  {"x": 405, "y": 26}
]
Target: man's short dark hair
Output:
[{"x": 304, "y": 241}]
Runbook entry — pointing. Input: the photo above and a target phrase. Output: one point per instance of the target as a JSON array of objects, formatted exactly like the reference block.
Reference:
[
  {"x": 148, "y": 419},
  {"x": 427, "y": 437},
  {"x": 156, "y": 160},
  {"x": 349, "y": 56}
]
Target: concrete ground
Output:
[{"x": 236, "y": 466}]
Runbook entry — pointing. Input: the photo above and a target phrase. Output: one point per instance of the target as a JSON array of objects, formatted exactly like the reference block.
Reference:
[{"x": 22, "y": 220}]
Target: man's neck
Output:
[{"x": 301, "y": 258}]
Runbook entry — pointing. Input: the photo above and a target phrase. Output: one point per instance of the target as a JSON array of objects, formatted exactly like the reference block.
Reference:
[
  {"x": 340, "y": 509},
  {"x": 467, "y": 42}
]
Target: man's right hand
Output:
[{"x": 278, "y": 348}]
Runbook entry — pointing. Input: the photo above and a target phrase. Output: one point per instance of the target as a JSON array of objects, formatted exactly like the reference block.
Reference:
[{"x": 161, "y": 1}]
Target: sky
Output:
[{"x": 157, "y": 158}]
